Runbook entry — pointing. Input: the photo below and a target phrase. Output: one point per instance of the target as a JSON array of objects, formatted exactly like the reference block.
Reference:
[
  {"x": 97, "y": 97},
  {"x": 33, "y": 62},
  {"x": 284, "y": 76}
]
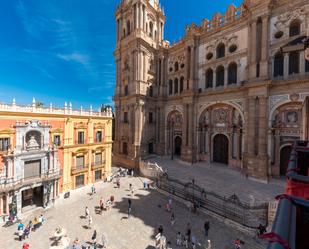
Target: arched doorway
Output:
[
  {"x": 285, "y": 153},
  {"x": 178, "y": 142},
  {"x": 221, "y": 149}
]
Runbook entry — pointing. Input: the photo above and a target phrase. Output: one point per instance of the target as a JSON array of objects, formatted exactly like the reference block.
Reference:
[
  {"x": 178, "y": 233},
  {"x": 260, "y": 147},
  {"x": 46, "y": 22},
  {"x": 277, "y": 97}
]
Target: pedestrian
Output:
[
  {"x": 42, "y": 219},
  {"x": 26, "y": 246},
  {"x": 237, "y": 244},
  {"x": 30, "y": 226},
  {"x": 86, "y": 212},
  {"x": 129, "y": 207},
  {"x": 189, "y": 232},
  {"x": 178, "y": 239},
  {"x": 101, "y": 205},
  {"x": 206, "y": 229},
  {"x": 112, "y": 199},
  {"x": 118, "y": 182},
  {"x": 89, "y": 221},
  {"x": 94, "y": 237},
  {"x": 20, "y": 226},
  {"x": 20, "y": 234},
  {"x": 172, "y": 219},
  {"x": 26, "y": 232},
  {"x": 160, "y": 229},
  {"x": 193, "y": 241},
  {"x": 92, "y": 189},
  {"x": 132, "y": 172},
  {"x": 130, "y": 186}
]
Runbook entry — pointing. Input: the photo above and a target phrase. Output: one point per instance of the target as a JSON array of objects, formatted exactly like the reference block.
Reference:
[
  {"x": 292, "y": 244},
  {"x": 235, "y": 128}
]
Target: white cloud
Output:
[{"x": 75, "y": 57}]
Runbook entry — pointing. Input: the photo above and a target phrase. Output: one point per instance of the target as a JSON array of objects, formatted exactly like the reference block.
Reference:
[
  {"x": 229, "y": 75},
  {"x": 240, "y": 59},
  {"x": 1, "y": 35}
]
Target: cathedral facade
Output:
[{"x": 233, "y": 90}]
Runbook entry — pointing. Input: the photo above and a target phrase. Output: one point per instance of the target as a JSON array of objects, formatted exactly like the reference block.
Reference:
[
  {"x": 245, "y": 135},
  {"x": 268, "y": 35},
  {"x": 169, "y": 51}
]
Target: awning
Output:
[{"x": 298, "y": 44}]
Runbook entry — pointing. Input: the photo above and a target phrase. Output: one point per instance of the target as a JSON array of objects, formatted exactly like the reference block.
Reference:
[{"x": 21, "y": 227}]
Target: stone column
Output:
[
  {"x": 138, "y": 15},
  {"x": 302, "y": 62},
  {"x": 143, "y": 19},
  {"x": 192, "y": 67},
  {"x": 286, "y": 66},
  {"x": 214, "y": 79},
  {"x": 264, "y": 52},
  {"x": 262, "y": 126},
  {"x": 251, "y": 126},
  {"x": 253, "y": 50},
  {"x": 225, "y": 76}
]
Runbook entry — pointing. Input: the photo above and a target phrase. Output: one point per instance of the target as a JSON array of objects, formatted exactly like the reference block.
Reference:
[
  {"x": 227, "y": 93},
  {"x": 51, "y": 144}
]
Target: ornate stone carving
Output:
[{"x": 277, "y": 99}]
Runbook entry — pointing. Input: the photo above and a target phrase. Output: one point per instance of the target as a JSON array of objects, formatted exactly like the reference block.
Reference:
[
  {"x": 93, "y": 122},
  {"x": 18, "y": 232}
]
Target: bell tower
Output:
[{"x": 140, "y": 29}]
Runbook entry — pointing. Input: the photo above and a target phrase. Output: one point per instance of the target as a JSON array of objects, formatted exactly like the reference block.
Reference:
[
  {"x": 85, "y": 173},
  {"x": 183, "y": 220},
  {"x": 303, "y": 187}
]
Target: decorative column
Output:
[
  {"x": 253, "y": 50},
  {"x": 302, "y": 62},
  {"x": 262, "y": 126},
  {"x": 192, "y": 67},
  {"x": 286, "y": 66},
  {"x": 225, "y": 76},
  {"x": 214, "y": 79},
  {"x": 264, "y": 48}
]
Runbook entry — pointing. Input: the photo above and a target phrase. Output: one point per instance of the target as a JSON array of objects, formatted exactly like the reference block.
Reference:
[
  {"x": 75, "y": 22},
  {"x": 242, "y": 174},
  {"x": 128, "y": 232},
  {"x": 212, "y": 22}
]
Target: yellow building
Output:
[{"x": 48, "y": 151}]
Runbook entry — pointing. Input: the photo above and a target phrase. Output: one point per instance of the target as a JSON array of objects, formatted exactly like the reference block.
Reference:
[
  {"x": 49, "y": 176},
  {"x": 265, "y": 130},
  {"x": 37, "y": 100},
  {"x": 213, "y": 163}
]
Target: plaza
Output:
[{"x": 121, "y": 232}]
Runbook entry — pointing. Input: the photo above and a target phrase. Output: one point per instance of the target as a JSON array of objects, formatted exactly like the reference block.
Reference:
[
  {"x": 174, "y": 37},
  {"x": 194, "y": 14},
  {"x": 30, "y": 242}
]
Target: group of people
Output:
[{"x": 24, "y": 231}]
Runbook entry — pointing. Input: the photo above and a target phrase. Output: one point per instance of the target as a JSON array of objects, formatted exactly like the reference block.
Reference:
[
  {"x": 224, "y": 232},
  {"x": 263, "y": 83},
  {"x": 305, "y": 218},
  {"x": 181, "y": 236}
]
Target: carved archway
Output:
[
  {"x": 220, "y": 119},
  {"x": 286, "y": 126},
  {"x": 173, "y": 130}
]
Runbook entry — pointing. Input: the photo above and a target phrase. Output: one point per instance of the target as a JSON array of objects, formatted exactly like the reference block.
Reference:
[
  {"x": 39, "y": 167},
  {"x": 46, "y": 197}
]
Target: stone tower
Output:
[{"x": 140, "y": 26}]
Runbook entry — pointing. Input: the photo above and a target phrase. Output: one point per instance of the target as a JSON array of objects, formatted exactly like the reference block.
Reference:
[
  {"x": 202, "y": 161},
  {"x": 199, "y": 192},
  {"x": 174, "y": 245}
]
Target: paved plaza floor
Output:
[
  {"x": 121, "y": 232},
  {"x": 222, "y": 180}
]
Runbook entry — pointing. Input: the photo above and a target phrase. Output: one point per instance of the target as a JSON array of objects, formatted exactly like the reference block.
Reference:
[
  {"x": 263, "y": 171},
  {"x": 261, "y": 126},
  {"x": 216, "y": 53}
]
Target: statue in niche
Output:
[
  {"x": 291, "y": 117},
  {"x": 32, "y": 144}
]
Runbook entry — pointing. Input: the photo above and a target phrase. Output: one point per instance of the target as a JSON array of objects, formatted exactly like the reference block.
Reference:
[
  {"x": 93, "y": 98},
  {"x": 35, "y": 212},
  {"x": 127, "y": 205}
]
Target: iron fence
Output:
[{"x": 228, "y": 207}]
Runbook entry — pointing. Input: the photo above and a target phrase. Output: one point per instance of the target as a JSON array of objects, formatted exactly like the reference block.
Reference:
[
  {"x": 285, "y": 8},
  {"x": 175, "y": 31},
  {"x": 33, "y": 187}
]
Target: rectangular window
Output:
[
  {"x": 150, "y": 117},
  {"x": 4, "y": 144},
  {"x": 81, "y": 137},
  {"x": 57, "y": 140},
  {"x": 32, "y": 169},
  {"x": 98, "y": 136},
  {"x": 98, "y": 175},
  {"x": 80, "y": 181},
  {"x": 98, "y": 158},
  {"x": 125, "y": 117},
  {"x": 293, "y": 63},
  {"x": 80, "y": 162}
]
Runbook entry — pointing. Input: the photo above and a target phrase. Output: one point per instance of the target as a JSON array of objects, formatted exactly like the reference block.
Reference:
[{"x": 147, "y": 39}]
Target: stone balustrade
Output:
[{"x": 67, "y": 110}]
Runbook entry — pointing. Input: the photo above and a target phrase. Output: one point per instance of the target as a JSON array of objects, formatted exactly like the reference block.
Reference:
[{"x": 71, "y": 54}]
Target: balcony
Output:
[
  {"x": 77, "y": 169},
  {"x": 9, "y": 184},
  {"x": 97, "y": 165}
]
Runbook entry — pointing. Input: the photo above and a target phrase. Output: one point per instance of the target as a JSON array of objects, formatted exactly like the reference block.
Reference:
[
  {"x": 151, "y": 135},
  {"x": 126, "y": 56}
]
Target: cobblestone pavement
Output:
[
  {"x": 136, "y": 232},
  {"x": 222, "y": 180}
]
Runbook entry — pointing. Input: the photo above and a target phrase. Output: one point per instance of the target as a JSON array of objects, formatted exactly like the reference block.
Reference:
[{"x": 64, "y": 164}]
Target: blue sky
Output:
[{"x": 62, "y": 50}]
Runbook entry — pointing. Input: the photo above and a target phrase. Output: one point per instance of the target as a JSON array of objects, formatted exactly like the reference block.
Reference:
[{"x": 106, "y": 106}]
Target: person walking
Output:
[
  {"x": 94, "y": 237},
  {"x": 206, "y": 229},
  {"x": 20, "y": 234},
  {"x": 178, "y": 239},
  {"x": 86, "y": 212},
  {"x": 20, "y": 226},
  {"x": 172, "y": 219},
  {"x": 27, "y": 232},
  {"x": 26, "y": 246},
  {"x": 129, "y": 207},
  {"x": 89, "y": 221},
  {"x": 101, "y": 203},
  {"x": 188, "y": 233}
]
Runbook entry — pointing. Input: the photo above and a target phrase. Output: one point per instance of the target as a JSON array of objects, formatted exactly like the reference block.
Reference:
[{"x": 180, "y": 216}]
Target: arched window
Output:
[
  {"x": 176, "y": 86},
  {"x": 170, "y": 87},
  {"x": 232, "y": 73},
  {"x": 176, "y": 66},
  {"x": 182, "y": 79},
  {"x": 220, "y": 76},
  {"x": 150, "y": 29},
  {"x": 220, "y": 50},
  {"x": 294, "y": 63},
  {"x": 209, "y": 78},
  {"x": 128, "y": 28},
  {"x": 295, "y": 28},
  {"x": 278, "y": 65}
]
